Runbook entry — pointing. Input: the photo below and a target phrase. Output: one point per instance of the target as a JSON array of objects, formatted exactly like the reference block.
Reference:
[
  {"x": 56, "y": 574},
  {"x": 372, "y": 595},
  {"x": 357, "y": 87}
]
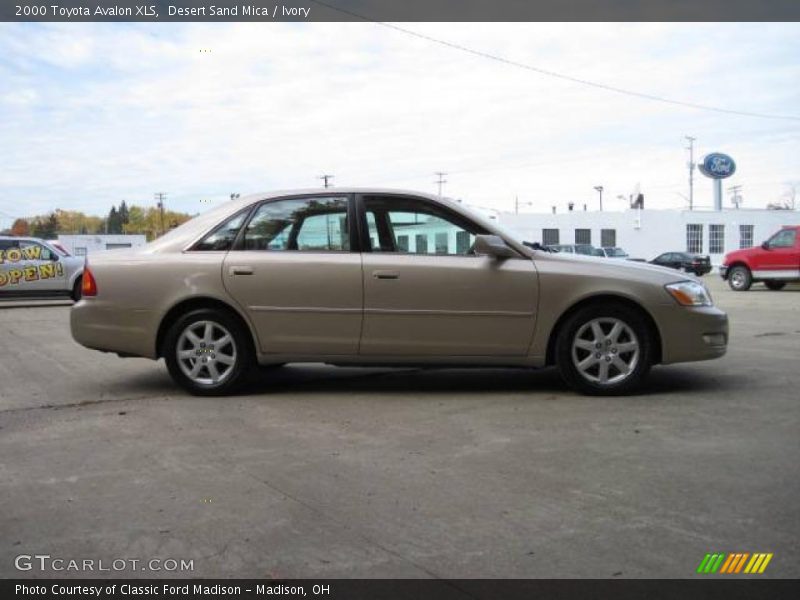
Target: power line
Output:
[{"x": 557, "y": 75}]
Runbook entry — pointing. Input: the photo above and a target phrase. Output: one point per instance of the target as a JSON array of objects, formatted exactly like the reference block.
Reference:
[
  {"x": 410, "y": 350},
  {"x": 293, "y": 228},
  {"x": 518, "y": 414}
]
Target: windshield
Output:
[{"x": 616, "y": 252}]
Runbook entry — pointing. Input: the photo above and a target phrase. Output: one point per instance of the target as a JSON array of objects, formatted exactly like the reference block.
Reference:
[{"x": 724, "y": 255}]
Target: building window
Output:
[
  {"x": 583, "y": 236},
  {"x": 80, "y": 251},
  {"x": 694, "y": 238},
  {"x": 550, "y": 237},
  {"x": 745, "y": 236},
  {"x": 608, "y": 238},
  {"x": 441, "y": 243},
  {"x": 116, "y": 246},
  {"x": 402, "y": 243},
  {"x": 422, "y": 244},
  {"x": 463, "y": 242},
  {"x": 716, "y": 239}
]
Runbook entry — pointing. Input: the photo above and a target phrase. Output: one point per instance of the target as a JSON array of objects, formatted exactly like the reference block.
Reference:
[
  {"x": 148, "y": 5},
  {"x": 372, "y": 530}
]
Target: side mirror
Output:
[
  {"x": 493, "y": 245},
  {"x": 765, "y": 245}
]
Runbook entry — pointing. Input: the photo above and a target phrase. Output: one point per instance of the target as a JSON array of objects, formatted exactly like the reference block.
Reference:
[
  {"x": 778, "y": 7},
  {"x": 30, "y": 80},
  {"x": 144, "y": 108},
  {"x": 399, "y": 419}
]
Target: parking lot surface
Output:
[{"x": 315, "y": 471}]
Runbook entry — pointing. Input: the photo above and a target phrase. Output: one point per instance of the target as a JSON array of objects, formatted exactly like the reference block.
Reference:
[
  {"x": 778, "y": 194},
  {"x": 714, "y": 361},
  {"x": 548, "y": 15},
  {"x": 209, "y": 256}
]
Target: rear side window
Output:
[
  {"x": 300, "y": 224},
  {"x": 222, "y": 238}
]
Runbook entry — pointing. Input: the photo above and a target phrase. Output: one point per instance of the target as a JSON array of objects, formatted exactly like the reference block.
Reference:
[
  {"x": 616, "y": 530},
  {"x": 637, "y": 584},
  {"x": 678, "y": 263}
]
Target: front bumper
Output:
[
  {"x": 692, "y": 333},
  {"x": 723, "y": 271}
]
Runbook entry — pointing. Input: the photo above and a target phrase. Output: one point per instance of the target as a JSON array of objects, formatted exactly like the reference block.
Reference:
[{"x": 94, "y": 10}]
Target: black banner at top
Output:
[{"x": 397, "y": 10}]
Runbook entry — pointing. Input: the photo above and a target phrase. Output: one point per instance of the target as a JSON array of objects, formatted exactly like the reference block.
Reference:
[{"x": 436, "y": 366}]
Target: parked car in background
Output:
[
  {"x": 34, "y": 267},
  {"x": 384, "y": 277},
  {"x": 684, "y": 261},
  {"x": 583, "y": 249},
  {"x": 613, "y": 252},
  {"x": 776, "y": 262}
]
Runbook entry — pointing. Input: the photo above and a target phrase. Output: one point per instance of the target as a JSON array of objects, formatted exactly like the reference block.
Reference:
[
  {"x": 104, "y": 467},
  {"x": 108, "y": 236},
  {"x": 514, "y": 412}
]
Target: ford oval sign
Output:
[{"x": 717, "y": 166}]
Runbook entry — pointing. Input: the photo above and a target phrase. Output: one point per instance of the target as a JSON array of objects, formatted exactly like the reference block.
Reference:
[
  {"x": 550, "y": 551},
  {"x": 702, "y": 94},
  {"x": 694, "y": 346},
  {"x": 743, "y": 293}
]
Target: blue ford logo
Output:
[{"x": 717, "y": 166}]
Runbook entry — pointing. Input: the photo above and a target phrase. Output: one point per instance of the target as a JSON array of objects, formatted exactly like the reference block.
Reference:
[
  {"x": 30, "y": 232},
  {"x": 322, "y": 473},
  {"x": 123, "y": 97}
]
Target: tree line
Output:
[{"x": 120, "y": 219}]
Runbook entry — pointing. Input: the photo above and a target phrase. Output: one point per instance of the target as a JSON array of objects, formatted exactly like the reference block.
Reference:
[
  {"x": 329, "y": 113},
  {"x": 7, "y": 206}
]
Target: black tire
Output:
[
  {"x": 576, "y": 323},
  {"x": 775, "y": 285},
  {"x": 740, "y": 279},
  {"x": 77, "y": 288},
  {"x": 239, "y": 349}
]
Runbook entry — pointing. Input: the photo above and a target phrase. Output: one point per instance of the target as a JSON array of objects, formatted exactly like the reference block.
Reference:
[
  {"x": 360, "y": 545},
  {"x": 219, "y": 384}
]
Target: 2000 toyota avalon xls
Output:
[{"x": 369, "y": 276}]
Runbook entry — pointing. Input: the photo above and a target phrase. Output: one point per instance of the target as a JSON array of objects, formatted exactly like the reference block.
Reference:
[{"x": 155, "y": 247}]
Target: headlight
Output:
[{"x": 689, "y": 293}]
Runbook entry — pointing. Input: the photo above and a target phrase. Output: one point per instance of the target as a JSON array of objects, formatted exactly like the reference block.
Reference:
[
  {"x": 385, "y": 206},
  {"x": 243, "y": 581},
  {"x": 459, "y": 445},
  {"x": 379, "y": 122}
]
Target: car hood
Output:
[
  {"x": 624, "y": 269},
  {"x": 741, "y": 254}
]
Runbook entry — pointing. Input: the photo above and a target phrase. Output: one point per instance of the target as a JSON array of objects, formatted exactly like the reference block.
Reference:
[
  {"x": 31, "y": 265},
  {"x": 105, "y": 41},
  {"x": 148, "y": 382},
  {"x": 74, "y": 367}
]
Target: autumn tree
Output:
[{"x": 20, "y": 227}]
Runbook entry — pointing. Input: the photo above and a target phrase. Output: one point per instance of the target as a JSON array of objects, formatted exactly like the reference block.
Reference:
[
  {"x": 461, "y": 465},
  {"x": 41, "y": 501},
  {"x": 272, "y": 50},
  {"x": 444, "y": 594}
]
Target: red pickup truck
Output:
[{"x": 776, "y": 262}]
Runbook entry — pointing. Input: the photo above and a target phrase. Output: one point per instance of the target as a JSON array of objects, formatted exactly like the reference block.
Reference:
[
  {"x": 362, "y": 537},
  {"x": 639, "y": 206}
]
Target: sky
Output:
[{"x": 94, "y": 113}]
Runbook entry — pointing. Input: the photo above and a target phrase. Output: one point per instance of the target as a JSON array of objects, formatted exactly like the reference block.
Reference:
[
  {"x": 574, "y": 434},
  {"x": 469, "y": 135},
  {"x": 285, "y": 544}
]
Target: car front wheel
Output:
[
  {"x": 207, "y": 352},
  {"x": 740, "y": 279},
  {"x": 604, "y": 350}
]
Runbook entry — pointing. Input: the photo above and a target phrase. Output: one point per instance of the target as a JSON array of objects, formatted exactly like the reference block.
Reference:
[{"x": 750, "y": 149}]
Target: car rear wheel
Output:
[
  {"x": 740, "y": 279},
  {"x": 207, "y": 352},
  {"x": 604, "y": 350},
  {"x": 775, "y": 285}
]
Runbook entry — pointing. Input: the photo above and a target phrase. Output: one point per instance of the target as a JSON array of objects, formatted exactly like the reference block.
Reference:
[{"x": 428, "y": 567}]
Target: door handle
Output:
[
  {"x": 240, "y": 270},
  {"x": 386, "y": 275}
]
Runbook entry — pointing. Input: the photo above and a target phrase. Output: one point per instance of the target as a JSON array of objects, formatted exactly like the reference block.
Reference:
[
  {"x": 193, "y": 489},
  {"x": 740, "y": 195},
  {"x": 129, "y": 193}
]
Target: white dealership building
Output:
[{"x": 646, "y": 233}]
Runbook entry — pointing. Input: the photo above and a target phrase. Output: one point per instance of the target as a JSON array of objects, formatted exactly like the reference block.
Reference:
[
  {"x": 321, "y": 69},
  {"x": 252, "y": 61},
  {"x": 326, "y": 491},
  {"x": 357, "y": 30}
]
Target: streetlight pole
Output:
[
  {"x": 599, "y": 189},
  {"x": 691, "y": 166}
]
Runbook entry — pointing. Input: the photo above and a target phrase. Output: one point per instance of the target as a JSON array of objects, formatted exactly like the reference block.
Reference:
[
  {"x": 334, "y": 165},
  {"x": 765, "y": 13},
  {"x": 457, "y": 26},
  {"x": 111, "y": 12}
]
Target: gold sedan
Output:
[{"x": 373, "y": 276}]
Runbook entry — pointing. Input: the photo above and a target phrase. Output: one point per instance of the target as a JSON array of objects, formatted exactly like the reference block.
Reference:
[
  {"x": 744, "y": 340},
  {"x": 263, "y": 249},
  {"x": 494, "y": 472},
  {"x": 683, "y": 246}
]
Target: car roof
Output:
[{"x": 187, "y": 233}]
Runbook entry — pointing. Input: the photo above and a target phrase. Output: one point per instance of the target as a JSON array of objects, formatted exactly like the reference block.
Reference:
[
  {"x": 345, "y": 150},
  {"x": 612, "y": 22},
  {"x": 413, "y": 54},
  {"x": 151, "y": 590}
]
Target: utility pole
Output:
[
  {"x": 691, "y": 166},
  {"x": 736, "y": 197},
  {"x": 440, "y": 181},
  {"x": 325, "y": 178},
  {"x": 160, "y": 197},
  {"x": 599, "y": 189}
]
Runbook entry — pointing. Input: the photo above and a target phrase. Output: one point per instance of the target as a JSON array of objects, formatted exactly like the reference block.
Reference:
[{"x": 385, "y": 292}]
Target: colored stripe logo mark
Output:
[{"x": 734, "y": 562}]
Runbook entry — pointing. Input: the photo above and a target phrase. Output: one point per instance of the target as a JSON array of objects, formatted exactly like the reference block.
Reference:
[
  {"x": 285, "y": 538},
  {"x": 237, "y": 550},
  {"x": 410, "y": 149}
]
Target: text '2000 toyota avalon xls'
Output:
[{"x": 384, "y": 277}]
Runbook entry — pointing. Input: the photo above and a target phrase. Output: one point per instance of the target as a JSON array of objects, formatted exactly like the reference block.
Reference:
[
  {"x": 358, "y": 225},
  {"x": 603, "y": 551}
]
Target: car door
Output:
[
  {"x": 781, "y": 260},
  {"x": 30, "y": 267},
  {"x": 293, "y": 272},
  {"x": 427, "y": 294}
]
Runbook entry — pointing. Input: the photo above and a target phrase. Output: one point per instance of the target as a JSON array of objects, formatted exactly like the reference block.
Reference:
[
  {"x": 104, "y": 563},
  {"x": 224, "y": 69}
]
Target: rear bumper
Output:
[
  {"x": 101, "y": 327},
  {"x": 692, "y": 334}
]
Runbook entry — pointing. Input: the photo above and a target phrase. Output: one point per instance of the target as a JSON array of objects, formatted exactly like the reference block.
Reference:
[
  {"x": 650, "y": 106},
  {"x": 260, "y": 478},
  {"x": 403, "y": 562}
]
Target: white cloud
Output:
[{"x": 97, "y": 113}]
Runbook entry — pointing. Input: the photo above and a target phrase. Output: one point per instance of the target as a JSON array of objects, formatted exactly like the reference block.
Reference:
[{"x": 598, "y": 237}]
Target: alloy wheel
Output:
[
  {"x": 605, "y": 351},
  {"x": 206, "y": 352}
]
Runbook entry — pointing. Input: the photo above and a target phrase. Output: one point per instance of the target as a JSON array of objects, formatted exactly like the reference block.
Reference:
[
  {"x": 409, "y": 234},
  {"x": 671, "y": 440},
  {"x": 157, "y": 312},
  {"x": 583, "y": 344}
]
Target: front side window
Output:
[
  {"x": 783, "y": 239},
  {"x": 34, "y": 251},
  {"x": 416, "y": 227},
  {"x": 300, "y": 224}
]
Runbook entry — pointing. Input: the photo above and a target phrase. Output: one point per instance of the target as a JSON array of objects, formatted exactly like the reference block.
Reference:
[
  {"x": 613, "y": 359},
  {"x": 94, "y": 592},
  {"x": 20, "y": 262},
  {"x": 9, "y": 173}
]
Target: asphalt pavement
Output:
[{"x": 317, "y": 471}]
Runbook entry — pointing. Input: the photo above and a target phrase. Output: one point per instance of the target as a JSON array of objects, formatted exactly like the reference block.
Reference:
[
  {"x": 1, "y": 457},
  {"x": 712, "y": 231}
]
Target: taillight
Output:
[{"x": 88, "y": 284}]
